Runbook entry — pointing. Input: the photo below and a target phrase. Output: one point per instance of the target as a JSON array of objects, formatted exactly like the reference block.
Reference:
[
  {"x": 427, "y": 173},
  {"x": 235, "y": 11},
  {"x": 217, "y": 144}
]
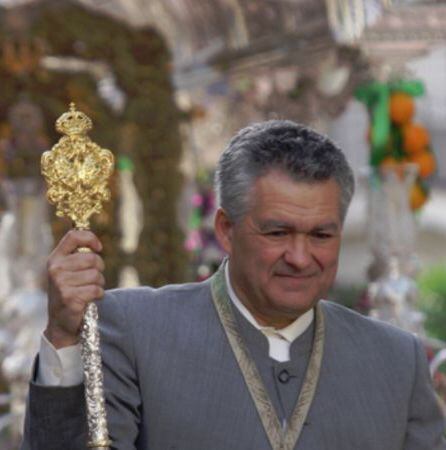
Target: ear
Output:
[{"x": 223, "y": 230}]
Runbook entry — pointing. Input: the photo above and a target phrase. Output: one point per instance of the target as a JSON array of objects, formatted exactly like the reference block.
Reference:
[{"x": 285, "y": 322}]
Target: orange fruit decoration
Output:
[
  {"x": 391, "y": 163},
  {"x": 401, "y": 108},
  {"x": 426, "y": 163},
  {"x": 415, "y": 138},
  {"x": 417, "y": 196}
]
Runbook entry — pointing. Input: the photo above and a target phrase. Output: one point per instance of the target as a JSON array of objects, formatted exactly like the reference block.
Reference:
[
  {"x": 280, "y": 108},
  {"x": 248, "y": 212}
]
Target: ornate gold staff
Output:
[{"x": 76, "y": 170}]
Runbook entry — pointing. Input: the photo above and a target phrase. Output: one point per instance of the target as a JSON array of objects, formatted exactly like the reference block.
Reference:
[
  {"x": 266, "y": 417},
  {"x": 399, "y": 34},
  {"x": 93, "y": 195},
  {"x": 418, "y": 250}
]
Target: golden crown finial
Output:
[{"x": 74, "y": 122}]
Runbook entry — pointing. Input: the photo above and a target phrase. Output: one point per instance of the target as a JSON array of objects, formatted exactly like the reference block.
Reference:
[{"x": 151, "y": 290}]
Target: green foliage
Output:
[{"x": 432, "y": 286}]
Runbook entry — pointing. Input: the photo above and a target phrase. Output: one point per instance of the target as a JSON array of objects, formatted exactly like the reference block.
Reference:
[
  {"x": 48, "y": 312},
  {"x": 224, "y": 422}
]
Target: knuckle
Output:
[
  {"x": 84, "y": 260},
  {"x": 99, "y": 274},
  {"x": 97, "y": 277},
  {"x": 90, "y": 293},
  {"x": 71, "y": 233},
  {"x": 53, "y": 267},
  {"x": 91, "y": 259},
  {"x": 56, "y": 278},
  {"x": 99, "y": 263}
]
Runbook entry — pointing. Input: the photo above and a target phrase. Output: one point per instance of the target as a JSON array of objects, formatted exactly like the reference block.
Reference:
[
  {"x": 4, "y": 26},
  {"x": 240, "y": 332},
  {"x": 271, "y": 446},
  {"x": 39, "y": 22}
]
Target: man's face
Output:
[{"x": 283, "y": 254}]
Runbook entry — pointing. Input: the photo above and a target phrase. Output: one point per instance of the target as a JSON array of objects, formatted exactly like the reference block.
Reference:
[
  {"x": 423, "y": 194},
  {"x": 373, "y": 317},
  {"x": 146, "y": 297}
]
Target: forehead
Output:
[{"x": 277, "y": 196}]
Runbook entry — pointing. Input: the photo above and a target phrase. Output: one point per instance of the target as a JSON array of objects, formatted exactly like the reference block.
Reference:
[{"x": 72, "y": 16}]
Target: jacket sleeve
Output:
[
  {"x": 56, "y": 416},
  {"x": 426, "y": 425}
]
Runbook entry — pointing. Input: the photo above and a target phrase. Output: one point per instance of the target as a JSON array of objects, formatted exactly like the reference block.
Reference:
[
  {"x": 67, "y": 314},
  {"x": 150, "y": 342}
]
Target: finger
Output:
[
  {"x": 61, "y": 268},
  {"x": 79, "y": 261},
  {"x": 75, "y": 239},
  {"x": 77, "y": 298},
  {"x": 90, "y": 293},
  {"x": 83, "y": 278}
]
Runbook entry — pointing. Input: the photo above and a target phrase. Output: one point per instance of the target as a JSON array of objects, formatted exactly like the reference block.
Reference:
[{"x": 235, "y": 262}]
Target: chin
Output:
[{"x": 292, "y": 303}]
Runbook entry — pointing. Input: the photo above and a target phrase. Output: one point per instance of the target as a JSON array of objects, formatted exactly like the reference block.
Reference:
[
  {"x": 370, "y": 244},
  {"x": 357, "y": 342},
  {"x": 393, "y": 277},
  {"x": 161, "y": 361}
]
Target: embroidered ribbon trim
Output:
[{"x": 279, "y": 439}]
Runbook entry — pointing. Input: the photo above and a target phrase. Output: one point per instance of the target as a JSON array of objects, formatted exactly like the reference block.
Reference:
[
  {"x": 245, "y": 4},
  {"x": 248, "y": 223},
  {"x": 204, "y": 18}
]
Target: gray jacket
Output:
[{"x": 172, "y": 383}]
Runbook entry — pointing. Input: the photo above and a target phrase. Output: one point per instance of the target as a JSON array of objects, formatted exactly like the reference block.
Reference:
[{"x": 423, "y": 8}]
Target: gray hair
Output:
[{"x": 299, "y": 151}]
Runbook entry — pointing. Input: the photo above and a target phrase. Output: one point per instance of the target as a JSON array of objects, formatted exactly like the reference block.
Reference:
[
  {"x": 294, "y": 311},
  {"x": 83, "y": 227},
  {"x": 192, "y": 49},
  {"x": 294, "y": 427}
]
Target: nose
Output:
[{"x": 298, "y": 252}]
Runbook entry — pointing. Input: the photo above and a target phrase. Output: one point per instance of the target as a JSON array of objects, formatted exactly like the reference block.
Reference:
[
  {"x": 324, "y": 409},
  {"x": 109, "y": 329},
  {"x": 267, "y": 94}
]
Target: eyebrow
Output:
[
  {"x": 331, "y": 226},
  {"x": 269, "y": 224},
  {"x": 273, "y": 224}
]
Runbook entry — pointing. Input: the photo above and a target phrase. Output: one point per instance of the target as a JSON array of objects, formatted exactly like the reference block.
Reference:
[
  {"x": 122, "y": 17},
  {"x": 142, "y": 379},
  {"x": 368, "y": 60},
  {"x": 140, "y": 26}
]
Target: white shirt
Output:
[
  {"x": 63, "y": 367},
  {"x": 279, "y": 340}
]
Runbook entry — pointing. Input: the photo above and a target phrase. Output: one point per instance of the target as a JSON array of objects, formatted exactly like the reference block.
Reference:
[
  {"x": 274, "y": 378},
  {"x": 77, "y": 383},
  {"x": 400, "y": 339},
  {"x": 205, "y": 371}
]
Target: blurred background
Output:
[{"x": 167, "y": 83}]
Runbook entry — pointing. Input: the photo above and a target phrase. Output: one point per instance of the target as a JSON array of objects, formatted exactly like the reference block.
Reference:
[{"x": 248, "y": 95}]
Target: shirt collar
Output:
[{"x": 290, "y": 332}]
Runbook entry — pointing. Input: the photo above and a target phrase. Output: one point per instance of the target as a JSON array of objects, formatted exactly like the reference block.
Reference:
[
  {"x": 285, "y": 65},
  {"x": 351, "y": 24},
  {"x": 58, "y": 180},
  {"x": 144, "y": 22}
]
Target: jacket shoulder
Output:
[
  {"x": 368, "y": 334},
  {"x": 166, "y": 300}
]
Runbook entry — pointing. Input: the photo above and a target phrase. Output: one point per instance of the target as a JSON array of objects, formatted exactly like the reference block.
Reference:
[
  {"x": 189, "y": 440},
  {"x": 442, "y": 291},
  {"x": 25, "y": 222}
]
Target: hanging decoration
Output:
[{"x": 394, "y": 138}]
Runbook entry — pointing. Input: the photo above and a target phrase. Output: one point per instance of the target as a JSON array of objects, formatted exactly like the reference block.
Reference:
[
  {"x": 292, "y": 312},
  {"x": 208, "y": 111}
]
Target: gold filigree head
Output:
[
  {"x": 76, "y": 170},
  {"x": 74, "y": 122}
]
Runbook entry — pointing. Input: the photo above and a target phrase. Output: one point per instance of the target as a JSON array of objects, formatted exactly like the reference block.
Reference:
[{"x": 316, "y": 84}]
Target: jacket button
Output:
[{"x": 284, "y": 376}]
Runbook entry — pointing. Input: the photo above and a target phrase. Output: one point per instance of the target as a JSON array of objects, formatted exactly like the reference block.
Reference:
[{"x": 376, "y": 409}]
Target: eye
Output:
[
  {"x": 321, "y": 235},
  {"x": 277, "y": 233}
]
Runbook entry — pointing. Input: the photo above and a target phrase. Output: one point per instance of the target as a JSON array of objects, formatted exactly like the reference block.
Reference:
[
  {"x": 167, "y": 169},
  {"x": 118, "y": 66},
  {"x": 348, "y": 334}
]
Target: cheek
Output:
[
  {"x": 330, "y": 269},
  {"x": 330, "y": 261},
  {"x": 260, "y": 262},
  {"x": 269, "y": 259},
  {"x": 327, "y": 257},
  {"x": 259, "y": 251}
]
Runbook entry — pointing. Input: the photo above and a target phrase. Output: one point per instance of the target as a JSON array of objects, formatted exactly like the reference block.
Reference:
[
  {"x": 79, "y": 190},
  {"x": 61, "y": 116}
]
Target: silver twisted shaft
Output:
[{"x": 93, "y": 380}]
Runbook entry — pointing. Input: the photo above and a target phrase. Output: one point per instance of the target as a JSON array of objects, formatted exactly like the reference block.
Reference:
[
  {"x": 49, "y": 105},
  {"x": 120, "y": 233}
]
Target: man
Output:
[{"x": 252, "y": 358}]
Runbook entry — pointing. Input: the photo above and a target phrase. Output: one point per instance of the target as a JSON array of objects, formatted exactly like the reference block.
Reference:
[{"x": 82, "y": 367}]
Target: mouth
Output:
[
  {"x": 294, "y": 283},
  {"x": 295, "y": 276}
]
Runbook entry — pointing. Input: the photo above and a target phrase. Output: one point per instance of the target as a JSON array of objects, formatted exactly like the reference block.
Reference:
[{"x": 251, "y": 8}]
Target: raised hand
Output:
[{"x": 75, "y": 279}]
